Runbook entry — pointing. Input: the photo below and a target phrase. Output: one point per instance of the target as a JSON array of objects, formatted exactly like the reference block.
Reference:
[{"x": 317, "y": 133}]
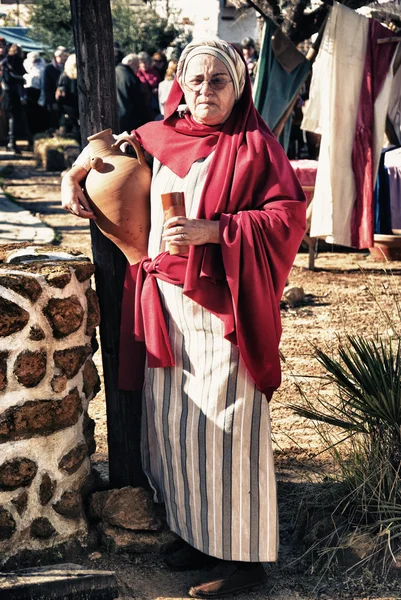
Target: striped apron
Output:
[{"x": 206, "y": 436}]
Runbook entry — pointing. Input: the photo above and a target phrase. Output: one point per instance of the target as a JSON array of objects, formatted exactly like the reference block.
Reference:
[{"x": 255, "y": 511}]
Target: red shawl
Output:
[{"x": 252, "y": 190}]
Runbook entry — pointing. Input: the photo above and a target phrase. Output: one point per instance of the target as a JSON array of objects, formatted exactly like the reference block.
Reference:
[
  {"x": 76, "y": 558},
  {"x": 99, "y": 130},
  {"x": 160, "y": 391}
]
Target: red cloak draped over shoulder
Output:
[{"x": 252, "y": 190}]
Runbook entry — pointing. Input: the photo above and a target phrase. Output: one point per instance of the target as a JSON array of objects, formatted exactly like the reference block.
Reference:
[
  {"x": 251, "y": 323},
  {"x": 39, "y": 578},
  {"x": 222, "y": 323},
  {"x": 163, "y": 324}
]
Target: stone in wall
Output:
[
  {"x": 30, "y": 367},
  {"x": 91, "y": 380},
  {"x": 40, "y": 417},
  {"x": 36, "y": 333},
  {"x": 59, "y": 277},
  {"x": 83, "y": 270},
  {"x": 18, "y": 472},
  {"x": 69, "y": 505},
  {"x": 3, "y": 370},
  {"x": 20, "y": 502},
  {"x": 69, "y": 361},
  {"x": 94, "y": 344},
  {"x": 28, "y": 287},
  {"x": 65, "y": 315},
  {"x": 74, "y": 459},
  {"x": 7, "y": 524},
  {"x": 42, "y": 528},
  {"x": 93, "y": 318},
  {"x": 59, "y": 383},
  {"x": 89, "y": 433},
  {"x": 88, "y": 485},
  {"x": 13, "y": 318},
  {"x": 97, "y": 503},
  {"x": 46, "y": 489}
]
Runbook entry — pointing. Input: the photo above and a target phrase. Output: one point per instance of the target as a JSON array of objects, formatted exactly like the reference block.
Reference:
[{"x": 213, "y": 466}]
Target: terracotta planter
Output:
[
  {"x": 174, "y": 206},
  {"x": 118, "y": 189},
  {"x": 386, "y": 247}
]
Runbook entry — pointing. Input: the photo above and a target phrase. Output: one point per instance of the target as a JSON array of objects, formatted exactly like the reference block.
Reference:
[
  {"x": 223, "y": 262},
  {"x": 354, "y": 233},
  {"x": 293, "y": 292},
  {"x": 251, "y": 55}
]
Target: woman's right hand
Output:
[{"x": 72, "y": 196}]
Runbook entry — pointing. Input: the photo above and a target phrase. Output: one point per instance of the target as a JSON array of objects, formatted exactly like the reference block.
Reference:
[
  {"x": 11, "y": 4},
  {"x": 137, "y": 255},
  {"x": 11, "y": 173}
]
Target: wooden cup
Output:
[{"x": 174, "y": 206}]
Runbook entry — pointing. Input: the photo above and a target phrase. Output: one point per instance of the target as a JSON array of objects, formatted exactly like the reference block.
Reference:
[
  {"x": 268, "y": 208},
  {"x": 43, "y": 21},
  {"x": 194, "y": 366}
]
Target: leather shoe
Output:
[
  {"x": 188, "y": 558},
  {"x": 229, "y": 578},
  {"x": 173, "y": 546}
]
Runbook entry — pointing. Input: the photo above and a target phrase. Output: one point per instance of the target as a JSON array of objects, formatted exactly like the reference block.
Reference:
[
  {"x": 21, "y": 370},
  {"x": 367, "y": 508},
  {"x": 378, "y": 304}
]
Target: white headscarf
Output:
[{"x": 221, "y": 50}]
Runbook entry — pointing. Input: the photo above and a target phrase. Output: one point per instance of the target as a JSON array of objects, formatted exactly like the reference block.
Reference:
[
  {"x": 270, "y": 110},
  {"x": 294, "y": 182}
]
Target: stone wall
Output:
[{"x": 48, "y": 314}]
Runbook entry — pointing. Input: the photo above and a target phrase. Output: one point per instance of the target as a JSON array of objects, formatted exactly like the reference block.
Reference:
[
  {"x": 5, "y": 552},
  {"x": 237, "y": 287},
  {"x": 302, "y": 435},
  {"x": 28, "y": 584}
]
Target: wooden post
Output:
[
  {"x": 59, "y": 582},
  {"x": 93, "y": 36}
]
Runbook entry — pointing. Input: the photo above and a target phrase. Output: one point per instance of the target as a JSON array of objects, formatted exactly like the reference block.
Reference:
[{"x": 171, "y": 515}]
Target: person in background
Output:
[
  {"x": 251, "y": 57},
  {"x": 132, "y": 103},
  {"x": 211, "y": 317},
  {"x": 166, "y": 85},
  {"x": 118, "y": 54},
  {"x": 150, "y": 77},
  {"x": 34, "y": 65},
  {"x": 14, "y": 98},
  {"x": 67, "y": 98},
  {"x": 3, "y": 48},
  {"x": 49, "y": 82},
  {"x": 160, "y": 63}
]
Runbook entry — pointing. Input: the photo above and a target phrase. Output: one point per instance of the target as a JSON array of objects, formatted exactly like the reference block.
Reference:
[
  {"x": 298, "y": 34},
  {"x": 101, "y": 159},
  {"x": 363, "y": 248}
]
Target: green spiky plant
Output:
[{"x": 357, "y": 413}]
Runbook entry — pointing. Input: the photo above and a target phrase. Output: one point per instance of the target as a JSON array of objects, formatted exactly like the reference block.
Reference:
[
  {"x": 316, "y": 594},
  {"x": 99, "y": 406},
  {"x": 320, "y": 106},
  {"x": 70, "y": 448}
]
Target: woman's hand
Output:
[
  {"x": 182, "y": 231},
  {"x": 72, "y": 196}
]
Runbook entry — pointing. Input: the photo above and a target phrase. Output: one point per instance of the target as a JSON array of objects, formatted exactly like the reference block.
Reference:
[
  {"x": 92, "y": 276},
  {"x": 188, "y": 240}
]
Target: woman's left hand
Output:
[{"x": 183, "y": 231}]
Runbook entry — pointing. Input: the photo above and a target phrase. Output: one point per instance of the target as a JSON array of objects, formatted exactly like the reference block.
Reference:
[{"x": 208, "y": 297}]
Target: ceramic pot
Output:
[
  {"x": 386, "y": 247},
  {"x": 118, "y": 190},
  {"x": 174, "y": 206}
]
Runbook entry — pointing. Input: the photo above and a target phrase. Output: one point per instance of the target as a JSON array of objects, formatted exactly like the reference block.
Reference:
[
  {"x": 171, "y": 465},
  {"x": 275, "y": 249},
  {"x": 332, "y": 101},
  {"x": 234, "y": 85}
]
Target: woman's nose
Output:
[{"x": 205, "y": 83}]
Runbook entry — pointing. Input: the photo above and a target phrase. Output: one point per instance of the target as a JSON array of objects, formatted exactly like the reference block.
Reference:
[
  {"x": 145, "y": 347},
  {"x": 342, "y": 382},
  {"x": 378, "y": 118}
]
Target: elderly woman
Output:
[{"x": 213, "y": 360}]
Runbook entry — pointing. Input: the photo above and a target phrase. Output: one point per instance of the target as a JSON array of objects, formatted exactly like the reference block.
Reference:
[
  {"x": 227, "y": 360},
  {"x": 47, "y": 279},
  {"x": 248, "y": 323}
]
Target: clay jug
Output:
[{"x": 118, "y": 189}]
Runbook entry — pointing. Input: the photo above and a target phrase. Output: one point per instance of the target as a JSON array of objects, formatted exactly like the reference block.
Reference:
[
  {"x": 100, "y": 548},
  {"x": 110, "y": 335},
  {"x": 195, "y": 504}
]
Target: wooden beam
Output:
[
  {"x": 63, "y": 582},
  {"x": 93, "y": 36}
]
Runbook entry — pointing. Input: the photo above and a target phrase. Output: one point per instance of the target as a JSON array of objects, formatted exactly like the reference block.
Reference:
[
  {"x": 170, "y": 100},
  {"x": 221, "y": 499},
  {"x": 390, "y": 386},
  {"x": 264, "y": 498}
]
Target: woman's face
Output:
[{"x": 209, "y": 90}]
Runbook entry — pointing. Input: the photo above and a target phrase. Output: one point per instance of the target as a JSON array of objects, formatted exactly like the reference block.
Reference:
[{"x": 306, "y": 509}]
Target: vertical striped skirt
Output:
[{"x": 206, "y": 441}]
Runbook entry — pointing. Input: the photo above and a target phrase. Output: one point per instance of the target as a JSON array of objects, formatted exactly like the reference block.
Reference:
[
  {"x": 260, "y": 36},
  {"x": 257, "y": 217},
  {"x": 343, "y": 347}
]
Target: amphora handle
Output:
[{"x": 131, "y": 139}]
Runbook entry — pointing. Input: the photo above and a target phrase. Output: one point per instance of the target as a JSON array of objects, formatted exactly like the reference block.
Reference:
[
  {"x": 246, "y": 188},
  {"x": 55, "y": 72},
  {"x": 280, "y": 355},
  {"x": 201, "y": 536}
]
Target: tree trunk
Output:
[{"x": 93, "y": 36}]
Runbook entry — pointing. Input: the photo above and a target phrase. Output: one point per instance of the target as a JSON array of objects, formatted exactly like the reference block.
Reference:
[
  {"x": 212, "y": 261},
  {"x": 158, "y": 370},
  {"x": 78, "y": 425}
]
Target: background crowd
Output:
[{"x": 42, "y": 97}]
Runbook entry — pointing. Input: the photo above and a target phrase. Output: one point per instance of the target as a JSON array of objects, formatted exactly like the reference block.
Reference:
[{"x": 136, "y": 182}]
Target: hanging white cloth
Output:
[{"x": 332, "y": 112}]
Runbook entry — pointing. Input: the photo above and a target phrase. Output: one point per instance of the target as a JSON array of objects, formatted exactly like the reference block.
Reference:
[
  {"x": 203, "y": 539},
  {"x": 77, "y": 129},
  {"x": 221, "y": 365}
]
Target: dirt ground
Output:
[{"x": 346, "y": 293}]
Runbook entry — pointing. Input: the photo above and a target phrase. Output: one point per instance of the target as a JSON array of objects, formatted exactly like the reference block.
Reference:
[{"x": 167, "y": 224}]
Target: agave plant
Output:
[{"x": 362, "y": 428}]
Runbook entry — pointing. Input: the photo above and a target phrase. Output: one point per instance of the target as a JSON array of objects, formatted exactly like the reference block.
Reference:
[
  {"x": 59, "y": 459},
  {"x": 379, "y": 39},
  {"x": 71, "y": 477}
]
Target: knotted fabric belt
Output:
[{"x": 143, "y": 324}]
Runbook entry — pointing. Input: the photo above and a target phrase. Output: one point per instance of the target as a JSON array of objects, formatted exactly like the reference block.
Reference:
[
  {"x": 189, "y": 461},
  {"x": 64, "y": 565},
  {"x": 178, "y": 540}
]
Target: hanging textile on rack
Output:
[
  {"x": 392, "y": 162},
  {"x": 370, "y": 125},
  {"x": 332, "y": 111},
  {"x": 381, "y": 197},
  {"x": 281, "y": 71}
]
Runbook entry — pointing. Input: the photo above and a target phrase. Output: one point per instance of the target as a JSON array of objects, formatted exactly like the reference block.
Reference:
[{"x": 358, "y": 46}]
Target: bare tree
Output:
[{"x": 297, "y": 18}]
